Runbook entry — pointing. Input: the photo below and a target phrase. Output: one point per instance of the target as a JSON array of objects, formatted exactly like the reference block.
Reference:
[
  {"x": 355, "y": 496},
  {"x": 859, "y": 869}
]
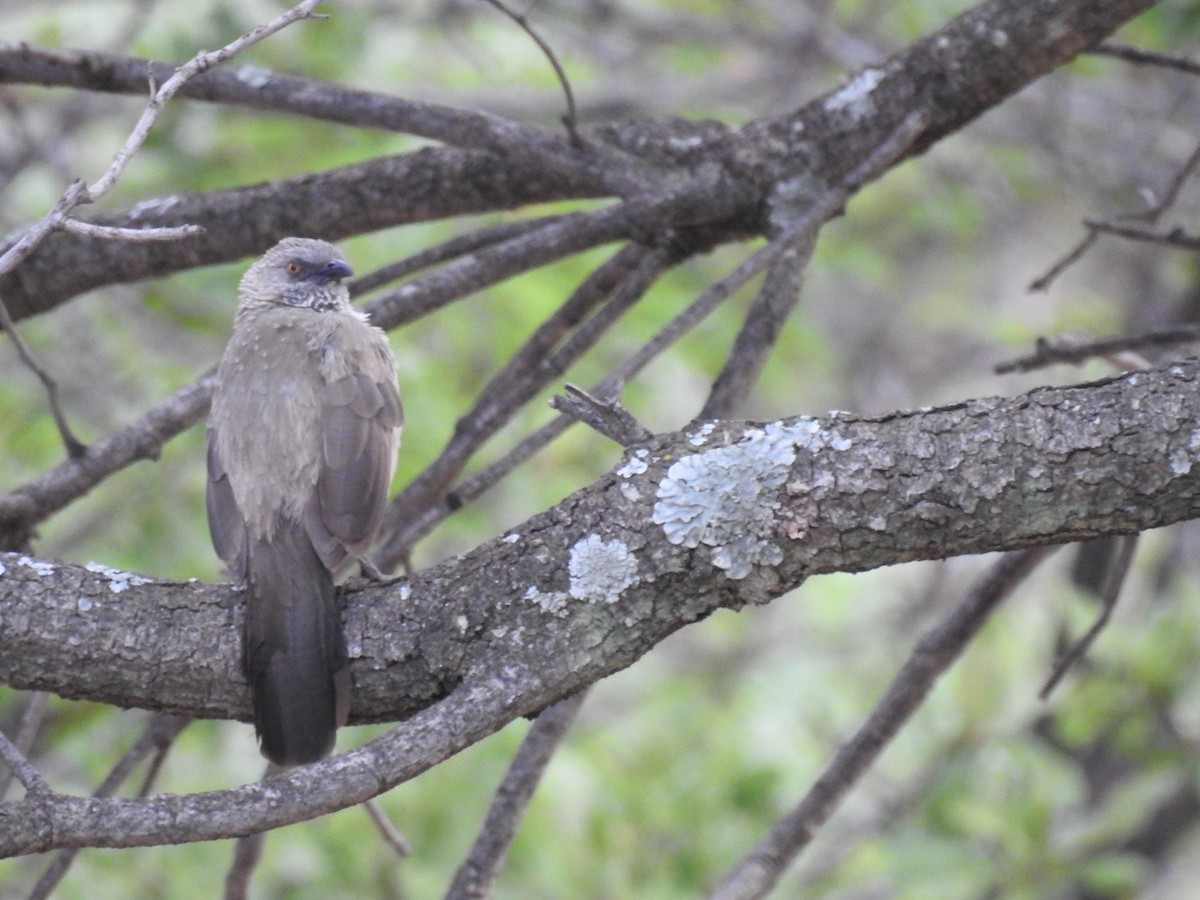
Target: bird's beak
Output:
[{"x": 334, "y": 270}]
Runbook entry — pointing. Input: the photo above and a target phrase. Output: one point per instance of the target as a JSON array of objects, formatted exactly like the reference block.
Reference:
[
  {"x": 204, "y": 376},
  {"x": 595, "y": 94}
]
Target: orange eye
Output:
[{"x": 295, "y": 268}]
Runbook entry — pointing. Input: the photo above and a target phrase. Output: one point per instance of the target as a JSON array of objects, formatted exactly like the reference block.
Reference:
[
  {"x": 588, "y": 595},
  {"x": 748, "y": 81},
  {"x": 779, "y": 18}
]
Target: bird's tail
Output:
[{"x": 293, "y": 649}]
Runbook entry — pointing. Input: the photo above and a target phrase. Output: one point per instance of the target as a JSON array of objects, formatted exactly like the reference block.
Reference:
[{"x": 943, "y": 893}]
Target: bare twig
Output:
[
  {"x": 158, "y": 735},
  {"x": 1141, "y": 57},
  {"x": 75, "y": 448},
  {"x": 390, "y": 834},
  {"x": 1074, "y": 351},
  {"x": 1043, "y": 281},
  {"x": 29, "y": 777},
  {"x": 1121, "y": 227},
  {"x": 938, "y": 648},
  {"x": 1171, "y": 237},
  {"x": 477, "y": 874},
  {"x": 31, "y": 722},
  {"x": 765, "y": 319},
  {"x": 247, "y": 852},
  {"x": 1112, "y": 590},
  {"x": 451, "y": 249},
  {"x": 113, "y": 232},
  {"x": 570, "y": 119},
  {"x": 625, "y": 276},
  {"x": 607, "y": 416},
  {"x": 413, "y": 515},
  {"x": 35, "y": 501},
  {"x": 78, "y": 193}
]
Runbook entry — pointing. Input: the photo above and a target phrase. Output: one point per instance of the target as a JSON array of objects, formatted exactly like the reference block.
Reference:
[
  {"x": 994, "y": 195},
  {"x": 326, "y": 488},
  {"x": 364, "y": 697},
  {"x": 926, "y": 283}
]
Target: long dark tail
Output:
[{"x": 293, "y": 649}]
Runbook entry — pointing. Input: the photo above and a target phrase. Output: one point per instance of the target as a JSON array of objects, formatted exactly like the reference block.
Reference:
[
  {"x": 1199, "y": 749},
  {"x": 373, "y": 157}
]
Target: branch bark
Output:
[
  {"x": 720, "y": 517},
  {"x": 766, "y": 505},
  {"x": 764, "y": 168}
]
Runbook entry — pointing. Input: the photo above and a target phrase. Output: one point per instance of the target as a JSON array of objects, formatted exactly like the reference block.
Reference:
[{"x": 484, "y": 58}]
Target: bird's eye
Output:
[{"x": 295, "y": 268}]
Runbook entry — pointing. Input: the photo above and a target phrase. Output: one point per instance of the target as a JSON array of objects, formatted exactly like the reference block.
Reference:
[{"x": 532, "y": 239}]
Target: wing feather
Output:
[{"x": 359, "y": 422}]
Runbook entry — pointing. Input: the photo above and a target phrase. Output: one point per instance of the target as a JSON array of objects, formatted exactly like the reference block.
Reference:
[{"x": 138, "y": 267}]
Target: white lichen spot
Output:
[
  {"x": 158, "y": 205},
  {"x": 700, "y": 438},
  {"x": 877, "y": 523},
  {"x": 405, "y": 591},
  {"x": 511, "y": 538},
  {"x": 1182, "y": 458},
  {"x": 2, "y": 568},
  {"x": 600, "y": 570},
  {"x": 679, "y": 144},
  {"x": 999, "y": 38},
  {"x": 1193, "y": 443},
  {"x": 39, "y": 567},
  {"x": 635, "y": 466},
  {"x": 253, "y": 76},
  {"x": 460, "y": 622},
  {"x": 630, "y": 492},
  {"x": 1180, "y": 461},
  {"x": 118, "y": 581},
  {"x": 840, "y": 443},
  {"x": 722, "y": 497},
  {"x": 855, "y": 95},
  {"x": 83, "y": 604},
  {"x": 553, "y": 602}
]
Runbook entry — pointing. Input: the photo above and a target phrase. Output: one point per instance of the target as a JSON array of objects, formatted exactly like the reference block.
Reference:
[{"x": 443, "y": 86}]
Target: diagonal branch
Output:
[{"x": 937, "y": 650}]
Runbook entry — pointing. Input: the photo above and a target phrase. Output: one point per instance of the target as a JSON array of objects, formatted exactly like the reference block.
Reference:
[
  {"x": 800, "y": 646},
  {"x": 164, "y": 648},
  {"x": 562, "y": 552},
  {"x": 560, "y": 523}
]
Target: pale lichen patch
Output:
[
  {"x": 39, "y": 567},
  {"x": 855, "y": 96},
  {"x": 635, "y": 465},
  {"x": 118, "y": 581},
  {"x": 723, "y": 498},
  {"x": 600, "y": 570}
]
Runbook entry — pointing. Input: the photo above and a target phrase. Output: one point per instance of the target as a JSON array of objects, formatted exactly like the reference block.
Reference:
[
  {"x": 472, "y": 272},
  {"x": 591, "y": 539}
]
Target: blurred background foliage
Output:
[{"x": 678, "y": 765}]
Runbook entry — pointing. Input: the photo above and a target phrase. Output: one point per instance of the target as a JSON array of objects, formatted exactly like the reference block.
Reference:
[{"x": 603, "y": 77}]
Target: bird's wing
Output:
[
  {"x": 224, "y": 518},
  {"x": 360, "y": 420}
]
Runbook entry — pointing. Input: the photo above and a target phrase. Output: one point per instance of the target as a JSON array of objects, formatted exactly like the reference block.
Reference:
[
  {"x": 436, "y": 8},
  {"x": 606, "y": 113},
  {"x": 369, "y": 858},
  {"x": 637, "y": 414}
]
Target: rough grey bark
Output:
[
  {"x": 712, "y": 518},
  {"x": 587, "y": 587},
  {"x": 751, "y": 177}
]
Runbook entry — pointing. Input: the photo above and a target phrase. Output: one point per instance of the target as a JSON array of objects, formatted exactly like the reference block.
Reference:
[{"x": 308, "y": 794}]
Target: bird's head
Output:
[{"x": 299, "y": 272}]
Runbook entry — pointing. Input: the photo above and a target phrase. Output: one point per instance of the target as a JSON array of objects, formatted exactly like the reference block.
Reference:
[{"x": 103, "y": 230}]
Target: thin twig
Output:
[
  {"x": 1117, "y": 226},
  {"x": 1043, "y": 282},
  {"x": 477, "y": 874},
  {"x": 116, "y": 232},
  {"x": 570, "y": 119},
  {"x": 448, "y": 250},
  {"x": 937, "y": 649},
  {"x": 1170, "y": 237},
  {"x": 1112, "y": 590},
  {"x": 78, "y": 193},
  {"x": 27, "y": 730},
  {"x": 410, "y": 520},
  {"x": 247, "y": 852},
  {"x": 625, "y": 276},
  {"x": 1141, "y": 57},
  {"x": 29, "y": 777},
  {"x": 158, "y": 735},
  {"x": 390, "y": 834},
  {"x": 778, "y": 296},
  {"x": 605, "y": 416},
  {"x": 143, "y": 438},
  {"x": 1072, "y": 350}
]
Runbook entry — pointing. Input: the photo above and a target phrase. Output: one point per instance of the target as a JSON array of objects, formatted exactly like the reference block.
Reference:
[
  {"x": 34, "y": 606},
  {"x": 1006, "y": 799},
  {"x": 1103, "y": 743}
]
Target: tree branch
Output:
[
  {"x": 937, "y": 650},
  {"x": 590, "y": 585}
]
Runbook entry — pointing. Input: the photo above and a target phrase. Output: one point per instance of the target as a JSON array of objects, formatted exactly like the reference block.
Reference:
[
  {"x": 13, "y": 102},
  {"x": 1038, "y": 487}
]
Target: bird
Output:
[{"x": 302, "y": 435}]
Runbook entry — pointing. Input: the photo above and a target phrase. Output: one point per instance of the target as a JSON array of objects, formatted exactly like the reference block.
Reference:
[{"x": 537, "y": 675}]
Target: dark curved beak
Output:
[{"x": 334, "y": 270}]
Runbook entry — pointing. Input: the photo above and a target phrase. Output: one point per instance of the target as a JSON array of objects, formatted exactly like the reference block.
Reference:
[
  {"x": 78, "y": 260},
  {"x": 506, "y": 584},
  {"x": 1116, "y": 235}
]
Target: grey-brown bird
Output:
[{"x": 302, "y": 441}]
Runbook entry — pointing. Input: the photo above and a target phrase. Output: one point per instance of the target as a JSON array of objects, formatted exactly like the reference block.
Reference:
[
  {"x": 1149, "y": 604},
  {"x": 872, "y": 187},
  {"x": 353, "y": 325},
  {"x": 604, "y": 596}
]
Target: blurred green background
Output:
[{"x": 678, "y": 765}]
